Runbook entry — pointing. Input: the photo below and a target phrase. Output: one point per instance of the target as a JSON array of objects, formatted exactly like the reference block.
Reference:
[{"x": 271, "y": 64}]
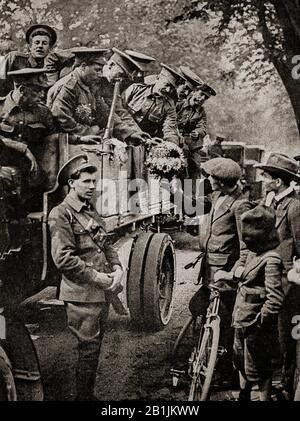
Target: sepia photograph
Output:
[{"x": 149, "y": 203}]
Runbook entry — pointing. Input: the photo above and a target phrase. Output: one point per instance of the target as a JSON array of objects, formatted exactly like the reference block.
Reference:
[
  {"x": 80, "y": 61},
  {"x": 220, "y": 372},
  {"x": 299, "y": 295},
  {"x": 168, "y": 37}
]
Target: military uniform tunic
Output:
[
  {"x": 76, "y": 255},
  {"x": 191, "y": 119},
  {"x": 154, "y": 114},
  {"x": 77, "y": 108},
  {"x": 24, "y": 125},
  {"x": 15, "y": 60}
]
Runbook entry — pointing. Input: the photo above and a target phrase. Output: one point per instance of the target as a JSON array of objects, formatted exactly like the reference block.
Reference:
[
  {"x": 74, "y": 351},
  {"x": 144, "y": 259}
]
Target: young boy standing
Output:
[{"x": 258, "y": 303}]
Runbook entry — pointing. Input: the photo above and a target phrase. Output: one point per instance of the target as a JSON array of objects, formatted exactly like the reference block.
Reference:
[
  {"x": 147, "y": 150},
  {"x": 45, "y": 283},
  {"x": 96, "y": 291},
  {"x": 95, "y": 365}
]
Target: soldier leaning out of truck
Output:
[
  {"x": 79, "y": 109},
  {"x": 90, "y": 267}
]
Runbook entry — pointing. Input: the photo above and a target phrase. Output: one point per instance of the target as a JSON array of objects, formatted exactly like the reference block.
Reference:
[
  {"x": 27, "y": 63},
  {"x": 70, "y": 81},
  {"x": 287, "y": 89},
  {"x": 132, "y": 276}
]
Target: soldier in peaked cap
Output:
[
  {"x": 144, "y": 61},
  {"x": 278, "y": 172},
  {"x": 78, "y": 104},
  {"x": 192, "y": 120},
  {"x": 24, "y": 123},
  {"x": 40, "y": 39},
  {"x": 89, "y": 264},
  {"x": 223, "y": 247},
  {"x": 153, "y": 107}
]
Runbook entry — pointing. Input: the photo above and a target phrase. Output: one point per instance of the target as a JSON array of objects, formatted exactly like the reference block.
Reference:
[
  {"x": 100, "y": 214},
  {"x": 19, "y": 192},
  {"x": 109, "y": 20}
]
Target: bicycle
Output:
[{"x": 202, "y": 361}]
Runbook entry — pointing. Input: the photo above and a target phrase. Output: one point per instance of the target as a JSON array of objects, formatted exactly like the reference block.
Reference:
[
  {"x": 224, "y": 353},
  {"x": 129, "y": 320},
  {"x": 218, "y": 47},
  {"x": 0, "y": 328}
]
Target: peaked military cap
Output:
[
  {"x": 97, "y": 55},
  {"x": 142, "y": 59},
  {"x": 222, "y": 168},
  {"x": 279, "y": 164},
  {"x": 194, "y": 81},
  {"x": 174, "y": 77},
  {"x": 76, "y": 163},
  {"x": 41, "y": 28},
  {"x": 29, "y": 77},
  {"x": 125, "y": 61}
]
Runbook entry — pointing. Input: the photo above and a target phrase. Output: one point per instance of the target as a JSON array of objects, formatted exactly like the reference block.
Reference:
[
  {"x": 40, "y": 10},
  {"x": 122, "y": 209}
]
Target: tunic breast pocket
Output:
[
  {"x": 82, "y": 238},
  {"x": 155, "y": 118}
]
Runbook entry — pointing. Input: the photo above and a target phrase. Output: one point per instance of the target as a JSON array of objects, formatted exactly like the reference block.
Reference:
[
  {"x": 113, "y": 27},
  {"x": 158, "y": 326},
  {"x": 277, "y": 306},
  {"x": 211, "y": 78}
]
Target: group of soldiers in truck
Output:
[{"x": 51, "y": 91}]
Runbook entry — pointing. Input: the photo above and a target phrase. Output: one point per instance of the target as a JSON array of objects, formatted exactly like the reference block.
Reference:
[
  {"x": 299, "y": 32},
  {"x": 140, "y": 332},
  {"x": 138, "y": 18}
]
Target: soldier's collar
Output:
[{"x": 77, "y": 205}]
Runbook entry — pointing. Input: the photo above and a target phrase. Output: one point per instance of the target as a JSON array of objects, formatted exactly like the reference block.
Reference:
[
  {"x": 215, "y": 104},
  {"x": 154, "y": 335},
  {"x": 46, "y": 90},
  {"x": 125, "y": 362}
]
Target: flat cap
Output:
[
  {"x": 29, "y": 76},
  {"x": 142, "y": 59},
  {"x": 41, "y": 28},
  {"x": 258, "y": 228},
  {"x": 222, "y": 168},
  {"x": 125, "y": 61},
  {"x": 174, "y": 77},
  {"x": 76, "y": 163}
]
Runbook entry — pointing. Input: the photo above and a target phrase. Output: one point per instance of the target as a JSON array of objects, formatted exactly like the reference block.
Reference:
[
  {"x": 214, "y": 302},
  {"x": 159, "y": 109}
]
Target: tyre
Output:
[
  {"x": 204, "y": 362},
  {"x": 8, "y": 391},
  {"x": 135, "y": 280},
  {"x": 159, "y": 282},
  {"x": 20, "y": 373},
  {"x": 187, "y": 340}
]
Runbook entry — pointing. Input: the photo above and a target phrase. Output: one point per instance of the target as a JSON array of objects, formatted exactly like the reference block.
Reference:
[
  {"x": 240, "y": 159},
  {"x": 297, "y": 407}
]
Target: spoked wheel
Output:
[
  {"x": 203, "y": 362},
  {"x": 8, "y": 390},
  {"x": 188, "y": 339}
]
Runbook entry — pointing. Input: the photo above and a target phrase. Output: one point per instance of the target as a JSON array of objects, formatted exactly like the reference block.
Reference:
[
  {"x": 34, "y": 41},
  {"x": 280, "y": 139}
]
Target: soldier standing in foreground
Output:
[{"x": 89, "y": 265}]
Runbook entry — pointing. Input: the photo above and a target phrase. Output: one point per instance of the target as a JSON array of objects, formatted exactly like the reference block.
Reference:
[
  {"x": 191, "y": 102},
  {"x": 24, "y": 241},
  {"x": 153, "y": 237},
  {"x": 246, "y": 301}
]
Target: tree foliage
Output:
[{"x": 243, "y": 48}]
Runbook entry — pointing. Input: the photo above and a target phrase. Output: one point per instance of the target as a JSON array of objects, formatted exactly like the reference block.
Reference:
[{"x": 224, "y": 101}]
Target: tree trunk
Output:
[{"x": 292, "y": 87}]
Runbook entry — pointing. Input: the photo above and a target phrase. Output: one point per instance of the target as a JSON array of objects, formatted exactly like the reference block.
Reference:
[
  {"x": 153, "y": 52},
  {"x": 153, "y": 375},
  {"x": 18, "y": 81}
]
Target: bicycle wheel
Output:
[
  {"x": 186, "y": 341},
  {"x": 204, "y": 362}
]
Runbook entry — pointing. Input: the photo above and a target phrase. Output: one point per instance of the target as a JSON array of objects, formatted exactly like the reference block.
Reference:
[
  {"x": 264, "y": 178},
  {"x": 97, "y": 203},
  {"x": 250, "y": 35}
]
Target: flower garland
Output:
[{"x": 166, "y": 160}]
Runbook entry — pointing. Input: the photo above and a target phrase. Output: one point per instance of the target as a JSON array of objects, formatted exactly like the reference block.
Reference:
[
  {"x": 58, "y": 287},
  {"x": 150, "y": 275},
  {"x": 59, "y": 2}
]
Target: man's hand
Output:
[
  {"x": 105, "y": 280},
  {"x": 117, "y": 275},
  {"x": 94, "y": 130},
  {"x": 194, "y": 135},
  {"x": 90, "y": 139},
  {"x": 31, "y": 158},
  {"x": 139, "y": 138},
  {"x": 222, "y": 275}
]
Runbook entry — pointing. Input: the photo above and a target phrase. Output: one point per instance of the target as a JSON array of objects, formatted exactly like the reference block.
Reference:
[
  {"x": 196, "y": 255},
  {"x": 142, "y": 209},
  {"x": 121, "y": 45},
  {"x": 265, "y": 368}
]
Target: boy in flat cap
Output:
[
  {"x": 224, "y": 250},
  {"x": 278, "y": 173},
  {"x": 25, "y": 121},
  {"x": 152, "y": 106},
  {"x": 77, "y": 103},
  {"x": 192, "y": 119},
  {"x": 258, "y": 303},
  {"x": 40, "y": 39},
  {"x": 89, "y": 265}
]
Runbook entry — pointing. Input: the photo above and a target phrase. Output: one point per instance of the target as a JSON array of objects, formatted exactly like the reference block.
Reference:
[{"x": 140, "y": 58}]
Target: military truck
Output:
[{"x": 147, "y": 253}]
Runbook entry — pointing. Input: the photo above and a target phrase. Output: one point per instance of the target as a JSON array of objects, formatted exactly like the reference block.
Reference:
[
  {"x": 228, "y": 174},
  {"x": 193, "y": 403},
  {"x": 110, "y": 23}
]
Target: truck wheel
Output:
[
  {"x": 159, "y": 282},
  {"x": 135, "y": 277},
  {"x": 21, "y": 354},
  {"x": 8, "y": 390}
]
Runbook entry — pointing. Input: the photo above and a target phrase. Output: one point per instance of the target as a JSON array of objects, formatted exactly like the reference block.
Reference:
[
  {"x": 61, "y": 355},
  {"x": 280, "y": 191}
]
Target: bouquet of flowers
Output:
[
  {"x": 166, "y": 160},
  {"x": 84, "y": 114}
]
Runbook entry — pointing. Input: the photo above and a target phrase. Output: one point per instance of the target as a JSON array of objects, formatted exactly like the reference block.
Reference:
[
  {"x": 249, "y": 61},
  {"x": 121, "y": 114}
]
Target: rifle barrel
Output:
[{"x": 110, "y": 121}]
